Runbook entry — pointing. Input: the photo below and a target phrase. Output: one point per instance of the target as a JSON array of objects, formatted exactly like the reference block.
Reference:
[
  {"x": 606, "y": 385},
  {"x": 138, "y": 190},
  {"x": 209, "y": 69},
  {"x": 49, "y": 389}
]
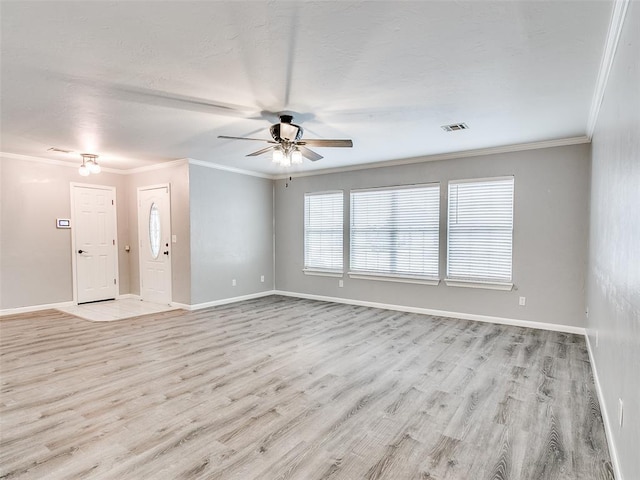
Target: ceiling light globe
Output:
[
  {"x": 296, "y": 157},
  {"x": 278, "y": 156},
  {"x": 84, "y": 171},
  {"x": 94, "y": 167},
  {"x": 286, "y": 161}
]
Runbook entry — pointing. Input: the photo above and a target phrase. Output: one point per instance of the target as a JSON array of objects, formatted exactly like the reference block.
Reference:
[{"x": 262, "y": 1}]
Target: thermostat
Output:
[{"x": 63, "y": 223}]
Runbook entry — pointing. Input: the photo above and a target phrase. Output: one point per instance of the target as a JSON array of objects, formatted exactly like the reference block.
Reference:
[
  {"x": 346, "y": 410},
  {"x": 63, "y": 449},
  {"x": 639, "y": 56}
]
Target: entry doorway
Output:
[
  {"x": 154, "y": 242},
  {"x": 95, "y": 252}
]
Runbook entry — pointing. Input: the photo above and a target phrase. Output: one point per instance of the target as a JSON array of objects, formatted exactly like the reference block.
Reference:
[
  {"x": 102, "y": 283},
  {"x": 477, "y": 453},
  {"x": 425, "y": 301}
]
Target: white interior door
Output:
[
  {"x": 154, "y": 234},
  {"x": 94, "y": 233}
]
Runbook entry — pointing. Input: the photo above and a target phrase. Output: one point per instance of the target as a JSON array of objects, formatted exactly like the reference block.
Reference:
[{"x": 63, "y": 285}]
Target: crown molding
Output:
[
  {"x": 118, "y": 171},
  {"x": 155, "y": 166},
  {"x": 51, "y": 161},
  {"x": 561, "y": 142},
  {"x": 217, "y": 166},
  {"x": 390, "y": 163},
  {"x": 133, "y": 171},
  {"x": 611, "y": 45}
]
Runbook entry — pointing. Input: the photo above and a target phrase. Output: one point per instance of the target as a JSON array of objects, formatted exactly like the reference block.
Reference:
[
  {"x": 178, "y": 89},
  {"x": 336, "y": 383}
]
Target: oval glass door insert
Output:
[{"x": 154, "y": 230}]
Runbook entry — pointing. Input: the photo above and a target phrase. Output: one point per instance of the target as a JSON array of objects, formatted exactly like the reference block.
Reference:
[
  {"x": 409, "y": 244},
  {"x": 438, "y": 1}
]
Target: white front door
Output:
[
  {"x": 154, "y": 234},
  {"x": 94, "y": 234}
]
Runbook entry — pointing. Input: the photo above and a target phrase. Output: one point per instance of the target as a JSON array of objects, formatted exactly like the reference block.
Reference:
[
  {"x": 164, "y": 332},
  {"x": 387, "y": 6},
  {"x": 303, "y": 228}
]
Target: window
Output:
[
  {"x": 154, "y": 230},
  {"x": 323, "y": 223},
  {"x": 480, "y": 232},
  {"x": 394, "y": 232}
]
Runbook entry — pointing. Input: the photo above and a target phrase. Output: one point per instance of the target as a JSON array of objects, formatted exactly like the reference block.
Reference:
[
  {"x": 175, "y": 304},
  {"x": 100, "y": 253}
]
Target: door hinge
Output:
[
  {"x": 114, "y": 281},
  {"x": 112, "y": 202},
  {"x": 114, "y": 242}
]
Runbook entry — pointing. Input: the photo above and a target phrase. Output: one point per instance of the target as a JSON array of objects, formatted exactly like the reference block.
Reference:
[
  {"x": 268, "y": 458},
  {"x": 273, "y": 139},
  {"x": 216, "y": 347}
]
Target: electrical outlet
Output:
[
  {"x": 262, "y": 278},
  {"x": 174, "y": 239},
  {"x": 341, "y": 283},
  {"x": 522, "y": 301},
  {"x": 620, "y": 412},
  {"x": 233, "y": 282}
]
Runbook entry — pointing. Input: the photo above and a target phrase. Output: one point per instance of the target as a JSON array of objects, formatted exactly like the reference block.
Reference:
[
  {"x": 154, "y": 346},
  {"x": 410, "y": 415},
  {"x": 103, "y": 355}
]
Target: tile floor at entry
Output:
[{"x": 115, "y": 309}]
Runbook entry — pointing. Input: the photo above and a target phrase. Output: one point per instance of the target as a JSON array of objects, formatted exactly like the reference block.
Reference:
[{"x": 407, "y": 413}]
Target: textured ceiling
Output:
[{"x": 145, "y": 82}]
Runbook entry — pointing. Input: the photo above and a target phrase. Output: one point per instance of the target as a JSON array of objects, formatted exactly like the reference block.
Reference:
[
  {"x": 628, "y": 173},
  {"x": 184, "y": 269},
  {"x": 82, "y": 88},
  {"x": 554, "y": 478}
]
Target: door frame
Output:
[
  {"x": 140, "y": 266},
  {"x": 73, "y": 186}
]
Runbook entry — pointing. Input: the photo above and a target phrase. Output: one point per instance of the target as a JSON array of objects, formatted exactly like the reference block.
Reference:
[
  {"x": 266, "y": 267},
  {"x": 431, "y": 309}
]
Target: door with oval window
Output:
[{"x": 154, "y": 242}]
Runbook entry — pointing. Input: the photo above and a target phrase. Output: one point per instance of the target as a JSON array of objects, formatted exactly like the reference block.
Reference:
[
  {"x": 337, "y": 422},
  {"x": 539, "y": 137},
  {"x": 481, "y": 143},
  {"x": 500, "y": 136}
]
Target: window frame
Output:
[
  {"x": 479, "y": 282},
  {"x": 319, "y": 271},
  {"x": 389, "y": 276}
]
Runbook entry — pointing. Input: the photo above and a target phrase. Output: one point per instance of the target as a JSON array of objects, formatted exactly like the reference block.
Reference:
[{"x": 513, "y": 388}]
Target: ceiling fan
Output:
[{"x": 287, "y": 145}]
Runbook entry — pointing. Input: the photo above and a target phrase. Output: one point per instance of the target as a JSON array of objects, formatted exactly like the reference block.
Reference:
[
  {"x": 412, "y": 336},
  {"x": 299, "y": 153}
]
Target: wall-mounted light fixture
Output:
[{"x": 89, "y": 164}]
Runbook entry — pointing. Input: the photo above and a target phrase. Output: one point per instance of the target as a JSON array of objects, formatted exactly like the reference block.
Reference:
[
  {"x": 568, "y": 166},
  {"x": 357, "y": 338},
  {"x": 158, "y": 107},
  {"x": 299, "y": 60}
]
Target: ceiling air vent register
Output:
[
  {"x": 59, "y": 150},
  {"x": 454, "y": 127}
]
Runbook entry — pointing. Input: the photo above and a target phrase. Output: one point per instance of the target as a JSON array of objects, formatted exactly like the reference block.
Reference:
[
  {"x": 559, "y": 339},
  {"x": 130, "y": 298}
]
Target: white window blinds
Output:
[
  {"x": 323, "y": 221},
  {"x": 394, "y": 231},
  {"x": 480, "y": 230}
]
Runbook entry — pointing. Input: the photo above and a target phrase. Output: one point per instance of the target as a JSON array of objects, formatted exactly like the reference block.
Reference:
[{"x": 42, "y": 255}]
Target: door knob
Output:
[
  {"x": 82, "y": 251},
  {"x": 166, "y": 252}
]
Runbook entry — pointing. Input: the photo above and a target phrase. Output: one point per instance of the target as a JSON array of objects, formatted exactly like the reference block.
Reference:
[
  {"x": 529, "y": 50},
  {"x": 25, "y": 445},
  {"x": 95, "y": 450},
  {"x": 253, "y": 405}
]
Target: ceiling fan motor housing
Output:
[{"x": 285, "y": 131}]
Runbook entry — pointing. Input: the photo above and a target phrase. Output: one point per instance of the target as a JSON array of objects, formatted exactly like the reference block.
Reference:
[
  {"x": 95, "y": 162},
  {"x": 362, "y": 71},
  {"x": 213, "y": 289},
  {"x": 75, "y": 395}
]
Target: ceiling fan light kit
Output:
[
  {"x": 286, "y": 157},
  {"x": 287, "y": 147},
  {"x": 89, "y": 165}
]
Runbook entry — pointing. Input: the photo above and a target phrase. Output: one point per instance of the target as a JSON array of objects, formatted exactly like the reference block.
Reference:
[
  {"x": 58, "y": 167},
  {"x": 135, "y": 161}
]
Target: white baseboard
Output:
[
  {"x": 126, "y": 296},
  {"x": 385, "y": 306},
  {"x": 441, "y": 313},
  {"x": 605, "y": 416},
  {"x": 224, "y": 301},
  {"x": 35, "y": 308}
]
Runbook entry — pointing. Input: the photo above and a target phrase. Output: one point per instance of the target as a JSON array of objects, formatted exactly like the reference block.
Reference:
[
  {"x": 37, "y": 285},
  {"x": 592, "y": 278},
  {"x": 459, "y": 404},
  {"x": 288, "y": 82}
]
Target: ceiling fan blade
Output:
[
  {"x": 326, "y": 143},
  {"x": 261, "y": 151},
  {"x": 310, "y": 154},
  {"x": 246, "y": 138}
]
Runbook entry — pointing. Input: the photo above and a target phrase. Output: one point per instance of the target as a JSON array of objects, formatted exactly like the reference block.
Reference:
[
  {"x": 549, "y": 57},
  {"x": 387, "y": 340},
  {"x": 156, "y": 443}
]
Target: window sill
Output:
[
  {"x": 478, "y": 284},
  {"x": 394, "y": 278},
  {"x": 322, "y": 273}
]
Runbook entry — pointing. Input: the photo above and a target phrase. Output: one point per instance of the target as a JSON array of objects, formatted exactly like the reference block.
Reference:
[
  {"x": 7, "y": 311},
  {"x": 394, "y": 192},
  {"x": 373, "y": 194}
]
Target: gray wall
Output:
[
  {"x": 178, "y": 177},
  {"x": 35, "y": 256},
  {"x": 614, "y": 257},
  {"x": 550, "y": 235},
  {"x": 231, "y": 234}
]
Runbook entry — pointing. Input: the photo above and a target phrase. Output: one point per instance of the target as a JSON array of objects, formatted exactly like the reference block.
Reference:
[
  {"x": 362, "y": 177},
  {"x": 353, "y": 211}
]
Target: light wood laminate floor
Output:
[{"x": 281, "y": 388}]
